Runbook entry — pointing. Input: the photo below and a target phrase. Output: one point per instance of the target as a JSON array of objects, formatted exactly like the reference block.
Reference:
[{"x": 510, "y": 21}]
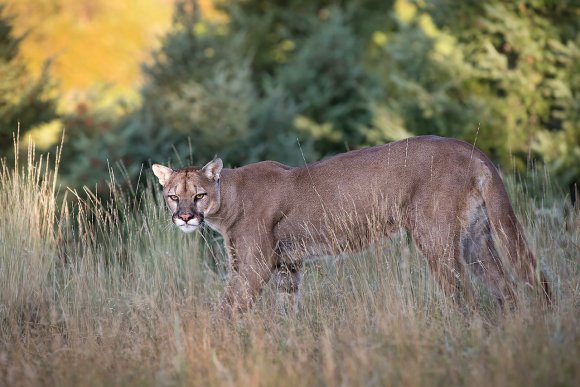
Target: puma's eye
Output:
[
  {"x": 199, "y": 196},
  {"x": 173, "y": 197}
]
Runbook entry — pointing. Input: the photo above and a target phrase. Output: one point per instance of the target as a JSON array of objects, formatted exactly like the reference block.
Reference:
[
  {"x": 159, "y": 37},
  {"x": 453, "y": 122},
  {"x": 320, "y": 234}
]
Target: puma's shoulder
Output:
[
  {"x": 260, "y": 172},
  {"x": 268, "y": 166}
]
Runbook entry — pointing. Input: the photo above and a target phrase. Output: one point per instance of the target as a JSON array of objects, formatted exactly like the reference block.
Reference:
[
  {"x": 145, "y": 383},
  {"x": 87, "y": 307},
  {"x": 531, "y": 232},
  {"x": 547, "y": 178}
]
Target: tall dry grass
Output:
[{"x": 109, "y": 293}]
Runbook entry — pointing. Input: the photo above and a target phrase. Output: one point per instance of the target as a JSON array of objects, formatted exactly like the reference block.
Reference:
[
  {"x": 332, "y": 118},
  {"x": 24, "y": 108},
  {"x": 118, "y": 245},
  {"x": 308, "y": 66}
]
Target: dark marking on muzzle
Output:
[{"x": 187, "y": 215}]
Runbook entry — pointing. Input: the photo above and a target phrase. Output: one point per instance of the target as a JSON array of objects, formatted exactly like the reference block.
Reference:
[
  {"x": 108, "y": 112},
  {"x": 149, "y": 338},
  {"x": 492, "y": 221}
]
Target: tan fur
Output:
[{"x": 446, "y": 193}]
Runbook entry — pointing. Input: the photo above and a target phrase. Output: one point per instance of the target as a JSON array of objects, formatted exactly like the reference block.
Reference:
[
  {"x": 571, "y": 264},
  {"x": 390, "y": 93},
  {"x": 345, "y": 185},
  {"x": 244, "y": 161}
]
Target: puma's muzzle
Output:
[{"x": 187, "y": 221}]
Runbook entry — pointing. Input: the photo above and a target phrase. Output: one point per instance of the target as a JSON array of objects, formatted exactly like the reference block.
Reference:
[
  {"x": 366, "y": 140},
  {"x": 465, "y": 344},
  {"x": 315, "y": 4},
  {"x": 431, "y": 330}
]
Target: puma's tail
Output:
[{"x": 510, "y": 232}]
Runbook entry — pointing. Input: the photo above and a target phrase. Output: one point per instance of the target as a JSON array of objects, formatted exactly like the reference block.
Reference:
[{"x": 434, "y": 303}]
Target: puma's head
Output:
[{"x": 190, "y": 193}]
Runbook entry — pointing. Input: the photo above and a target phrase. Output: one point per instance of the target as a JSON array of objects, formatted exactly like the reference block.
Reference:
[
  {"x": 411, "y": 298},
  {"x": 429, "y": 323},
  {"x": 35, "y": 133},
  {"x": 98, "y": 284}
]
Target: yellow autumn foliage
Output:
[{"x": 93, "y": 42}]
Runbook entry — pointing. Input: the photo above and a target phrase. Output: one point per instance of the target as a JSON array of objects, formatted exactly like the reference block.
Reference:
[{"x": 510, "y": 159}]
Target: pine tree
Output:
[{"x": 24, "y": 101}]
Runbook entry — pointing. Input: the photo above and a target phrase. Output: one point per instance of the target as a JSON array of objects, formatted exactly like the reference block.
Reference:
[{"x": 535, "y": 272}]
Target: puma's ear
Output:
[
  {"x": 163, "y": 173},
  {"x": 213, "y": 169}
]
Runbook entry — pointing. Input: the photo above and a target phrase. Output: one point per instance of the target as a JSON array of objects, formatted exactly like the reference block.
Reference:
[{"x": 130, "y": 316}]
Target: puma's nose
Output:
[{"x": 185, "y": 216}]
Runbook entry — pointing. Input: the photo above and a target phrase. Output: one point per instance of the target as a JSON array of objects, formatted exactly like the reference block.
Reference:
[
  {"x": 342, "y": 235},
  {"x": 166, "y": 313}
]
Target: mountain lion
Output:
[{"x": 273, "y": 217}]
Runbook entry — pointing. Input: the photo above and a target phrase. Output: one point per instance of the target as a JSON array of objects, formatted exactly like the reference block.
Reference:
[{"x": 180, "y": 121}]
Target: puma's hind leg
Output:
[
  {"x": 442, "y": 250},
  {"x": 481, "y": 256}
]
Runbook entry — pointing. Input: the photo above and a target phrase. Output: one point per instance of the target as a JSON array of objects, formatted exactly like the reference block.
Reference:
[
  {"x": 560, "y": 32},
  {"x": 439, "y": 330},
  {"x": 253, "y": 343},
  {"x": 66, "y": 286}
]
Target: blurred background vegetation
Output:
[{"x": 289, "y": 80}]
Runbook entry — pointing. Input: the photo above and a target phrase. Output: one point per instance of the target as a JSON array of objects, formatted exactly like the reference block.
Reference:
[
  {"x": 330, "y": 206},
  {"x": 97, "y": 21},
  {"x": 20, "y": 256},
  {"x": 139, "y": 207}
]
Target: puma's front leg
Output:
[
  {"x": 288, "y": 280},
  {"x": 251, "y": 266}
]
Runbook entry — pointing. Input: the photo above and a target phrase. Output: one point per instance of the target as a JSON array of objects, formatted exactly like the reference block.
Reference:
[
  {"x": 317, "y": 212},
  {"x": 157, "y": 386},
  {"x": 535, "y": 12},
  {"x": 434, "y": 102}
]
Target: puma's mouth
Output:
[{"x": 189, "y": 226}]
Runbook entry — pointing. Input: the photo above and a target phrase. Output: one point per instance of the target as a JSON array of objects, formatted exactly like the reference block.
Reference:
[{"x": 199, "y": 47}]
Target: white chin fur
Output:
[{"x": 187, "y": 228}]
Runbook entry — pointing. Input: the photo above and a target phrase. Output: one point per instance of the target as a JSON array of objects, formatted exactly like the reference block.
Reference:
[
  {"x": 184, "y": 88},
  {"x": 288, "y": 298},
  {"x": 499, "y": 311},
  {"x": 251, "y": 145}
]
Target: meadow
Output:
[{"x": 107, "y": 292}]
